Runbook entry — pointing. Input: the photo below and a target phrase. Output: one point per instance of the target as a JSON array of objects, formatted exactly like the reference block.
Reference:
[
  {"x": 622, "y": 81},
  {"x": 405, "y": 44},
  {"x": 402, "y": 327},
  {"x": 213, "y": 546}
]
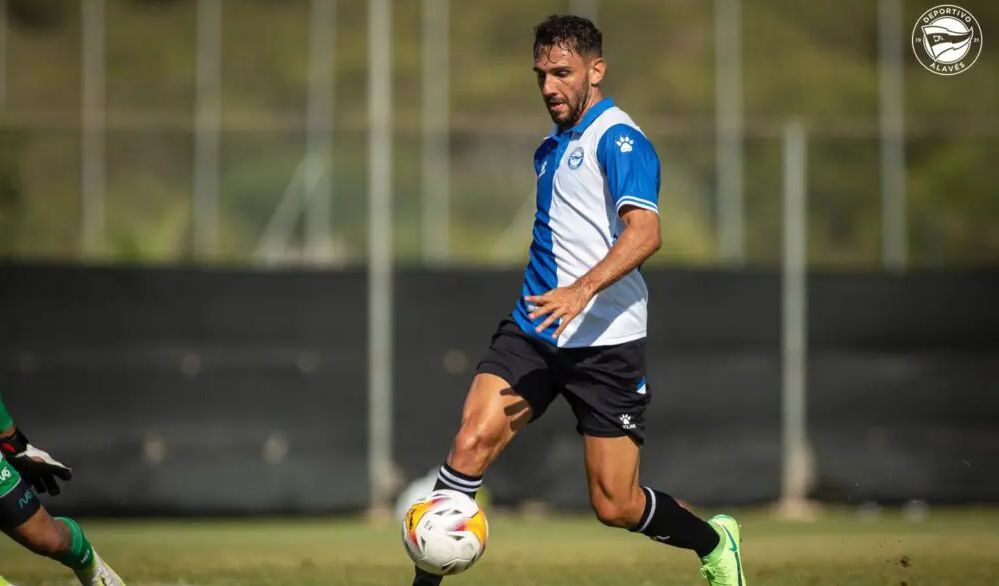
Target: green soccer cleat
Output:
[
  {"x": 723, "y": 566},
  {"x": 4, "y": 582},
  {"x": 98, "y": 573}
]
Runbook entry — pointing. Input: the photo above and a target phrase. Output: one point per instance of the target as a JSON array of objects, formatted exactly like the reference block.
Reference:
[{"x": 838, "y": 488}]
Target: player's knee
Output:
[
  {"x": 617, "y": 511},
  {"x": 612, "y": 513},
  {"x": 475, "y": 442}
]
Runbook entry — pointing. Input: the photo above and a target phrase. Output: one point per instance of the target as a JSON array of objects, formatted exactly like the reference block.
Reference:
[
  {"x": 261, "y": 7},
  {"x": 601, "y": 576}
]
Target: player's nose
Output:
[{"x": 548, "y": 88}]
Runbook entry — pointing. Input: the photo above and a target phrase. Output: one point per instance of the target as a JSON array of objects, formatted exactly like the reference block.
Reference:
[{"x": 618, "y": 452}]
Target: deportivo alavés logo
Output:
[{"x": 947, "y": 39}]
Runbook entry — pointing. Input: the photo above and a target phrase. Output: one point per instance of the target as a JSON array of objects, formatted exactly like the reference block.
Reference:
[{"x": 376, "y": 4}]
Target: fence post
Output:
[
  {"x": 436, "y": 185},
  {"x": 207, "y": 121},
  {"x": 796, "y": 459},
  {"x": 381, "y": 467},
  {"x": 894, "y": 244},
  {"x": 93, "y": 182},
  {"x": 729, "y": 131}
]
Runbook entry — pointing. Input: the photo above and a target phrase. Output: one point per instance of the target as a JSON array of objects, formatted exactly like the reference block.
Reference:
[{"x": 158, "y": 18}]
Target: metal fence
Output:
[{"x": 175, "y": 133}]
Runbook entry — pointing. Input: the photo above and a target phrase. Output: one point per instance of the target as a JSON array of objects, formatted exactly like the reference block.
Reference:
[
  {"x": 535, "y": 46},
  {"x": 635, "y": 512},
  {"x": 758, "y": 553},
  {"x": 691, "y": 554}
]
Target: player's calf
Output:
[
  {"x": 43, "y": 535},
  {"x": 80, "y": 557},
  {"x": 666, "y": 521}
]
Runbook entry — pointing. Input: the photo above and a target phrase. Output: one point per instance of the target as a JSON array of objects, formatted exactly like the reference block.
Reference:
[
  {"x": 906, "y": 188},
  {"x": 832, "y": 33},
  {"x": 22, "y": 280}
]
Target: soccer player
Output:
[
  {"x": 23, "y": 470},
  {"x": 579, "y": 329}
]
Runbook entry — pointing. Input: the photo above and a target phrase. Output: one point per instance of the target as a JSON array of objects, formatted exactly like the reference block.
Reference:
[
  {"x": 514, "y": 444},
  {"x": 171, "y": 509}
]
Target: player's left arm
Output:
[
  {"x": 631, "y": 167},
  {"x": 639, "y": 240},
  {"x": 35, "y": 465}
]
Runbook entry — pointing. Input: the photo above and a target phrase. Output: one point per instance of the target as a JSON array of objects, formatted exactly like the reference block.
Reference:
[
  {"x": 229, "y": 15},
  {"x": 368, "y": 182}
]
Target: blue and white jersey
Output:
[{"x": 586, "y": 174}]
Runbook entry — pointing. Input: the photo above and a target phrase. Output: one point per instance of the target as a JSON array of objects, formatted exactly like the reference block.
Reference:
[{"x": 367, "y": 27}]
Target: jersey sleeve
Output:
[{"x": 631, "y": 166}]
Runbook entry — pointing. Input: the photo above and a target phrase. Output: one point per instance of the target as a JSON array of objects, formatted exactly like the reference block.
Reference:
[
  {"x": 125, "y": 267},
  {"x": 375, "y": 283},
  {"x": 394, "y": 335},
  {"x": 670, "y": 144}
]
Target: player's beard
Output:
[{"x": 576, "y": 111}]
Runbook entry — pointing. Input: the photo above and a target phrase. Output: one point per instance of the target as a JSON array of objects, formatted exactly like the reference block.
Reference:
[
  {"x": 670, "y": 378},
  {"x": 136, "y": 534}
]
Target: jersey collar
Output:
[{"x": 587, "y": 119}]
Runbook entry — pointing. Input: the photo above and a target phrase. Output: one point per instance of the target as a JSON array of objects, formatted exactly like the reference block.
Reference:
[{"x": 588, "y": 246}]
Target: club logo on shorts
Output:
[
  {"x": 576, "y": 158},
  {"x": 626, "y": 421},
  {"x": 947, "y": 40}
]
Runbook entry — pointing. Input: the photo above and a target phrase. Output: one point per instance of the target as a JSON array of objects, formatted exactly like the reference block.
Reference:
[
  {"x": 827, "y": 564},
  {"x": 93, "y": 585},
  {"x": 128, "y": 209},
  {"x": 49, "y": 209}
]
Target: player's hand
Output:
[
  {"x": 563, "y": 303},
  {"x": 36, "y": 466}
]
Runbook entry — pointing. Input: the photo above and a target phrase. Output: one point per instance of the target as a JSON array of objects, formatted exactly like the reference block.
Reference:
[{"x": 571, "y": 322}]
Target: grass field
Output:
[{"x": 952, "y": 547}]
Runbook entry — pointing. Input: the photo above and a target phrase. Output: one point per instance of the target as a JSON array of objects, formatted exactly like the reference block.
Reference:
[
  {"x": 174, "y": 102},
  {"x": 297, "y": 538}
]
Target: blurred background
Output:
[{"x": 250, "y": 252}]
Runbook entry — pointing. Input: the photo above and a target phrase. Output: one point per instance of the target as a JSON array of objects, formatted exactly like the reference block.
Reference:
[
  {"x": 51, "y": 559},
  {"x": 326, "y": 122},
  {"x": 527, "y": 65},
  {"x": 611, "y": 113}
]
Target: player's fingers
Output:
[
  {"x": 38, "y": 485},
  {"x": 567, "y": 317},
  {"x": 539, "y": 300},
  {"x": 64, "y": 474},
  {"x": 539, "y": 311},
  {"x": 548, "y": 321},
  {"x": 50, "y": 484},
  {"x": 561, "y": 327}
]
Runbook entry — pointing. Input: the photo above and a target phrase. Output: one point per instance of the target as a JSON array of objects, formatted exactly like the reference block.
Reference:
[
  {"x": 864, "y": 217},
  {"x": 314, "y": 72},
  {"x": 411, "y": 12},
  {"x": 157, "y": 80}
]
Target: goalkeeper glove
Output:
[{"x": 36, "y": 466}]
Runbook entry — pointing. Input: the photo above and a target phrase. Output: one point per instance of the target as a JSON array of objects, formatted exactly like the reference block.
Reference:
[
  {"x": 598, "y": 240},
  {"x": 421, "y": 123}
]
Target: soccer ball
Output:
[{"x": 445, "y": 532}]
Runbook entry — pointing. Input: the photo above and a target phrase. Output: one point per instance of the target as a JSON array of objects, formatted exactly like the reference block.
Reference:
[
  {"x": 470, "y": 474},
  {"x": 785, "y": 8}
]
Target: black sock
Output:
[
  {"x": 426, "y": 579},
  {"x": 449, "y": 478},
  {"x": 665, "y": 521}
]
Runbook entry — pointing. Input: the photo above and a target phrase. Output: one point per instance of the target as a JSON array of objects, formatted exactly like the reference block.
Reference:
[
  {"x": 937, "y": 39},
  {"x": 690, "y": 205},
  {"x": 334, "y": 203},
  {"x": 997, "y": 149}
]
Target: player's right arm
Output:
[{"x": 36, "y": 466}]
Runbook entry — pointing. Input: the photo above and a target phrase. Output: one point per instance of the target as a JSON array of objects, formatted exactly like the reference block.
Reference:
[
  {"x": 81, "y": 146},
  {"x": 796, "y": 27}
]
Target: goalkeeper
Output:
[{"x": 24, "y": 469}]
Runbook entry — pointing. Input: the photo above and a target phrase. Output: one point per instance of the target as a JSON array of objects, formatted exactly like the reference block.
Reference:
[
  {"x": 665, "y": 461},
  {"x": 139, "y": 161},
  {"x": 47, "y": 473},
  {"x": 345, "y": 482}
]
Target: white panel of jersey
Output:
[{"x": 586, "y": 174}]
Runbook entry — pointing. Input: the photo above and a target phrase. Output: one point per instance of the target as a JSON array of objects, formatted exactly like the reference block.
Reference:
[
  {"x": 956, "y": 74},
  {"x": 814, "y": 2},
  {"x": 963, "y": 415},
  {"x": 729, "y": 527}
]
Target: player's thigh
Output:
[
  {"x": 512, "y": 386},
  {"x": 612, "y": 469},
  {"x": 493, "y": 410}
]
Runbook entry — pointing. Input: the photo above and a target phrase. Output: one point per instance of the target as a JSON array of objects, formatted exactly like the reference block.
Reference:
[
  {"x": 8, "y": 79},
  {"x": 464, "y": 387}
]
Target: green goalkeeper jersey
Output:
[{"x": 5, "y": 418}]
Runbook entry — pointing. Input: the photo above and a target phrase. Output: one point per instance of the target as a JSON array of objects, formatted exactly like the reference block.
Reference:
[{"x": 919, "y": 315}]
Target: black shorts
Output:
[{"x": 604, "y": 385}]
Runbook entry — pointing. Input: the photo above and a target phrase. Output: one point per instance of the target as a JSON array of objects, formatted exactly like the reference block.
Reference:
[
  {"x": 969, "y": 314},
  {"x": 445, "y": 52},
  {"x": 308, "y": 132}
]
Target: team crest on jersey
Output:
[{"x": 576, "y": 158}]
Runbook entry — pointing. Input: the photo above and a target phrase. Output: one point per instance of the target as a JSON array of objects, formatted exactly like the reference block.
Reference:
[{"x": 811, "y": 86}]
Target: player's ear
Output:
[{"x": 597, "y": 69}]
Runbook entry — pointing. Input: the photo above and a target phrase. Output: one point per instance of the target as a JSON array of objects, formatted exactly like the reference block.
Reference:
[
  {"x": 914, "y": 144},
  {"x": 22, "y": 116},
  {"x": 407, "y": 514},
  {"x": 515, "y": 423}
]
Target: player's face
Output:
[{"x": 568, "y": 82}]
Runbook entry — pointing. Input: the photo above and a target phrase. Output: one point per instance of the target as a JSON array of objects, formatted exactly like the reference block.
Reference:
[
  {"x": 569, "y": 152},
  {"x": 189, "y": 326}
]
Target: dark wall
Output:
[
  {"x": 183, "y": 390},
  {"x": 180, "y": 390}
]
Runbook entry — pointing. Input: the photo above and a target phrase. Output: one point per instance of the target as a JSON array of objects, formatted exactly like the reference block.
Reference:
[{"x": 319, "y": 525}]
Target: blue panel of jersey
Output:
[
  {"x": 539, "y": 275},
  {"x": 630, "y": 163}
]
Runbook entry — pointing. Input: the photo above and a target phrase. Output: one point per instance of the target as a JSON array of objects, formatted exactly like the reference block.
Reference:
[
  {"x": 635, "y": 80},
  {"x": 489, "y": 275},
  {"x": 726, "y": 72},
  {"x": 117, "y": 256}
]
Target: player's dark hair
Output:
[{"x": 569, "y": 32}]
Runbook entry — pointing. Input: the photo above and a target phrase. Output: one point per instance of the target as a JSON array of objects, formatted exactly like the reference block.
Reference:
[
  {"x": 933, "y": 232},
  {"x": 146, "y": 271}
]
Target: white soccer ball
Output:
[{"x": 445, "y": 532}]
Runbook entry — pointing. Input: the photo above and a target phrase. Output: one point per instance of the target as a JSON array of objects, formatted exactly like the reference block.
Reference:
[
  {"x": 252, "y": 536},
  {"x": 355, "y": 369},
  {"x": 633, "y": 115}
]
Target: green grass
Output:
[{"x": 957, "y": 547}]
